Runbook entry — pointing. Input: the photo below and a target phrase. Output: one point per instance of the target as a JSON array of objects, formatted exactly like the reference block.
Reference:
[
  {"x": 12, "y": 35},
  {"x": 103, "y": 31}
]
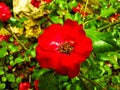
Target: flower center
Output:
[{"x": 66, "y": 48}]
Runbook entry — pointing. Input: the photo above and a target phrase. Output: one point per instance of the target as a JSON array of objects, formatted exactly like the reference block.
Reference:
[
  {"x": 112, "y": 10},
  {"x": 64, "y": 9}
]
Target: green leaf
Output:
[
  {"x": 18, "y": 80},
  {"x": 33, "y": 53},
  {"x": 3, "y": 52},
  {"x": 105, "y": 12},
  {"x": 1, "y": 72},
  {"x": 2, "y": 86},
  {"x": 19, "y": 60},
  {"x": 50, "y": 80},
  {"x": 77, "y": 17},
  {"x": 10, "y": 77},
  {"x": 12, "y": 63},
  {"x": 56, "y": 19},
  {"x": 4, "y": 79},
  {"x": 116, "y": 79},
  {"x": 22, "y": 19},
  {"x": 102, "y": 42},
  {"x": 69, "y": 16},
  {"x": 3, "y": 43},
  {"x": 13, "y": 48},
  {"x": 96, "y": 69},
  {"x": 73, "y": 3},
  {"x": 43, "y": 20},
  {"x": 37, "y": 73}
]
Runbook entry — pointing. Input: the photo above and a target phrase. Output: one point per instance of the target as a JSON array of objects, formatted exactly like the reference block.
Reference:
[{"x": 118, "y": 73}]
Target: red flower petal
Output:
[
  {"x": 51, "y": 37},
  {"x": 48, "y": 59},
  {"x": 84, "y": 48},
  {"x": 47, "y": 1},
  {"x": 75, "y": 31}
]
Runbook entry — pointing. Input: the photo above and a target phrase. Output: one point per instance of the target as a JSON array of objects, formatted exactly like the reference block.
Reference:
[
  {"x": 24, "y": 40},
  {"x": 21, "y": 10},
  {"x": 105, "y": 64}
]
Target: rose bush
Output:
[{"x": 63, "y": 48}]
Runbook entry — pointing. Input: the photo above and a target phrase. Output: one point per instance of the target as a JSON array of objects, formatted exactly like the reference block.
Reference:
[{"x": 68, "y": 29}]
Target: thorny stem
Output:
[
  {"x": 16, "y": 38},
  {"x": 109, "y": 25}
]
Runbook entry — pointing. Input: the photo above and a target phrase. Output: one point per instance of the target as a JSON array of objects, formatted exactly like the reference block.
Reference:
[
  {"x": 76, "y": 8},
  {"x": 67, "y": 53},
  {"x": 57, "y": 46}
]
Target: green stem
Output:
[
  {"x": 85, "y": 10},
  {"x": 9, "y": 30},
  {"x": 109, "y": 25}
]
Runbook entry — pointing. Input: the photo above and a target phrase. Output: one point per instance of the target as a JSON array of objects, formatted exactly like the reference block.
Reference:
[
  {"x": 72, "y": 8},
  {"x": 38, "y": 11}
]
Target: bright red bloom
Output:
[
  {"x": 36, "y": 84},
  {"x": 77, "y": 9},
  {"x": 4, "y": 37},
  {"x": 63, "y": 48},
  {"x": 5, "y": 13},
  {"x": 47, "y": 1},
  {"x": 35, "y": 3},
  {"x": 24, "y": 86}
]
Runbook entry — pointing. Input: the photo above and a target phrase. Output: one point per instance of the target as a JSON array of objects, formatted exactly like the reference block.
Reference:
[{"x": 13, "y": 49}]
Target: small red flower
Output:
[
  {"x": 10, "y": 67},
  {"x": 47, "y": 1},
  {"x": 5, "y": 13},
  {"x": 36, "y": 84},
  {"x": 35, "y": 3},
  {"x": 63, "y": 48},
  {"x": 4, "y": 37},
  {"x": 24, "y": 86},
  {"x": 77, "y": 9}
]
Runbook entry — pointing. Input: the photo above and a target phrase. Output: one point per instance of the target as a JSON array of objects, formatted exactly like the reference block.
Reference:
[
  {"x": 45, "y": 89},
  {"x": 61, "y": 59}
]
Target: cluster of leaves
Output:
[{"x": 99, "y": 72}]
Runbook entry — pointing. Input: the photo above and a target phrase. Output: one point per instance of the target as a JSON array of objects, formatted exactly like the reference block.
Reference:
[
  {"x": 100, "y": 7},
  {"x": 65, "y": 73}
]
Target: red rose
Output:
[
  {"x": 24, "y": 86},
  {"x": 35, "y": 3},
  {"x": 36, "y": 83},
  {"x": 47, "y": 1},
  {"x": 4, "y": 37},
  {"x": 63, "y": 48},
  {"x": 5, "y": 13}
]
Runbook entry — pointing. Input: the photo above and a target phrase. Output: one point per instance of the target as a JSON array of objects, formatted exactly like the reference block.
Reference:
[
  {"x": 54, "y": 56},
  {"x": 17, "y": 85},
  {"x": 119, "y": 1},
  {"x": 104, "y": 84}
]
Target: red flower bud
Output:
[
  {"x": 76, "y": 9},
  {"x": 5, "y": 13},
  {"x": 10, "y": 67},
  {"x": 4, "y": 37},
  {"x": 35, "y": 3},
  {"x": 24, "y": 86}
]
